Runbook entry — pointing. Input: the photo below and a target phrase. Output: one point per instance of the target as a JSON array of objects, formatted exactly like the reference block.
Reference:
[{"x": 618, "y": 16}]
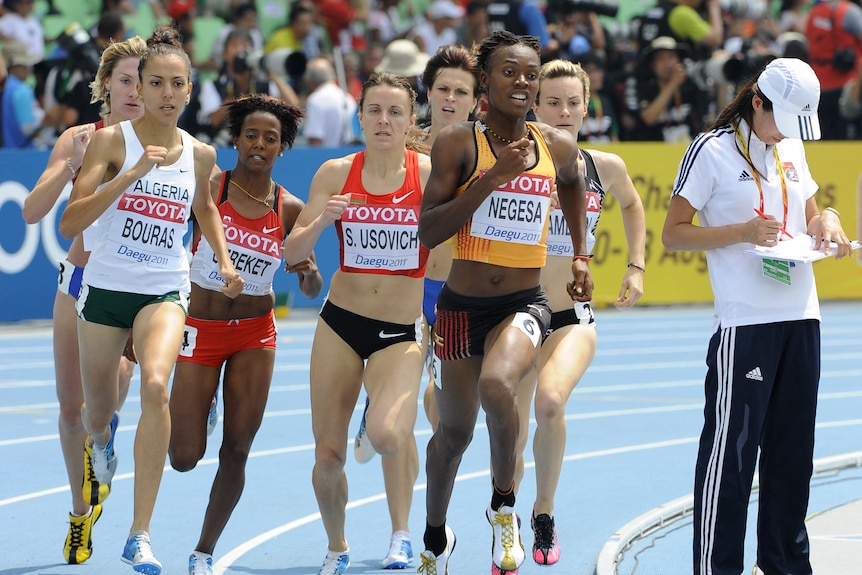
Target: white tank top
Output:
[{"x": 137, "y": 244}]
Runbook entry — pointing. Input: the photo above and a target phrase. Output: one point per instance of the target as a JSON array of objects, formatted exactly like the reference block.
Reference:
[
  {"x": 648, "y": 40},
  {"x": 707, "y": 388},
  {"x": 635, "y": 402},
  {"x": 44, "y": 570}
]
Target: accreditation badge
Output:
[{"x": 777, "y": 270}]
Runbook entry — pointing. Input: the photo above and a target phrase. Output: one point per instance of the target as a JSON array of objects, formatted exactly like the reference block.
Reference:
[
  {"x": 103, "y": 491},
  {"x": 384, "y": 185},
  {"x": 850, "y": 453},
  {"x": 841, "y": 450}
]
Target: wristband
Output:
[
  {"x": 634, "y": 265},
  {"x": 72, "y": 170},
  {"x": 833, "y": 210},
  {"x": 585, "y": 257}
]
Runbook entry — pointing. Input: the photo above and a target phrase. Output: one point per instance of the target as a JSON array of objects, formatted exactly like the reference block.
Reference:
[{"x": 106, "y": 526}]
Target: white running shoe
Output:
[
  {"x": 200, "y": 563},
  {"x": 438, "y": 564},
  {"x": 335, "y": 563},
  {"x": 139, "y": 554},
  {"x": 363, "y": 451},
  {"x": 400, "y": 551},
  {"x": 507, "y": 550}
]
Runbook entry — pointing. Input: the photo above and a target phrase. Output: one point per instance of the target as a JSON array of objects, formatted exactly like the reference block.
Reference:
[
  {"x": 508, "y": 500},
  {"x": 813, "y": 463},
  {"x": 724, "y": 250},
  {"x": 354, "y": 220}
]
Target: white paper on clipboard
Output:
[{"x": 799, "y": 249}]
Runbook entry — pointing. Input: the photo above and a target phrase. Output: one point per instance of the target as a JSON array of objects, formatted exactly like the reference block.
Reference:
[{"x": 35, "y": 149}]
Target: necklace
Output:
[
  {"x": 501, "y": 138},
  {"x": 264, "y": 201}
]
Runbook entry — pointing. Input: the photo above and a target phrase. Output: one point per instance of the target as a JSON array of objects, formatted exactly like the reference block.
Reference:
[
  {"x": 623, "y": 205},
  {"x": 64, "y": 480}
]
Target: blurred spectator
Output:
[
  {"x": 183, "y": 13},
  {"x": 834, "y": 33},
  {"x": 301, "y": 34},
  {"x": 386, "y": 22},
  {"x": 345, "y": 22},
  {"x": 352, "y": 63},
  {"x": 75, "y": 105},
  {"x": 668, "y": 103},
  {"x": 236, "y": 78},
  {"x": 243, "y": 17},
  {"x": 370, "y": 60},
  {"x": 404, "y": 58},
  {"x": 681, "y": 20},
  {"x": 474, "y": 25},
  {"x": 600, "y": 125},
  {"x": 521, "y": 17},
  {"x": 20, "y": 113},
  {"x": 329, "y": 110},
  {"x": 438, "y": 28},
  {"x": 19, "y": 25},
  {"x": 850, "y": 106},
  {"x": 793, "y": 16},
  {"x": 120, "y": 7},
  {"x": 578, "y": 32}
]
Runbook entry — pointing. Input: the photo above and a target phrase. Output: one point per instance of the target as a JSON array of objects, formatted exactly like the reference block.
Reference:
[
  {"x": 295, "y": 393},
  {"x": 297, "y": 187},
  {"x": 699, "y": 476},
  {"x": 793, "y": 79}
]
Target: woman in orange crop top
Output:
[
  {"x": 490, "y": 187},
  {"x": 371, "y": 327}
]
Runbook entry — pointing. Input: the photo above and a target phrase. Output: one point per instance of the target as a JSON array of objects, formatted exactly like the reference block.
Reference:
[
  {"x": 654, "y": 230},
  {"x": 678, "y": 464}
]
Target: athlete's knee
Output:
[
  {"x": 497, "y": 394},
  {"x": 550, "y": 406},
  {"x": 452, "y": 441},
  {"x": 329, "y": 459},
  {"x": 154, "y": 393},
  {"x": 183, "y": 458}
]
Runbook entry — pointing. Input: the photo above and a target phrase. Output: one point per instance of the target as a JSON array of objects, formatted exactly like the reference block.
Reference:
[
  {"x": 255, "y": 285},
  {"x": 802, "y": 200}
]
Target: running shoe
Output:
[
  {"x": 200, "y": 564},
  {"x": 100, "y": 463},
  {"x": 400, "y": 551},
  {"x": 139, "y": 554},
  {"x": 79, "y": 541},
  {"x": 212, "y": 416},
  {"x": 546, "y": 549},
  {"x": 335, "y": 563},
  {"x": 507, "y": 551},
  {"x": 363, "y": 451},
  {"x": 438, "y": 564}
]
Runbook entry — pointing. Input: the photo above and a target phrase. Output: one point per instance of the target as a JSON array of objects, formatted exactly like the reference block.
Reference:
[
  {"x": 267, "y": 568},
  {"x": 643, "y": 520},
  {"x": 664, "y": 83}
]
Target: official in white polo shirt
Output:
[{"x": 748, "y": 181}]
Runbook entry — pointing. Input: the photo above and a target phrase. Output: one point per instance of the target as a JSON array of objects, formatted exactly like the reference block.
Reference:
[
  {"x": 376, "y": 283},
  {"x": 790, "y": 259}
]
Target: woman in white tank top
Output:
[{"x": 146, "y": 172}]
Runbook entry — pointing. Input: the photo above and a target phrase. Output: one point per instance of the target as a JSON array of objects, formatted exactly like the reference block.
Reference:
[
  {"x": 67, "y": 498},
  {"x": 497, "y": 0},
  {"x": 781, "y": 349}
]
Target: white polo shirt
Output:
[{"x": 716, "y": 179}]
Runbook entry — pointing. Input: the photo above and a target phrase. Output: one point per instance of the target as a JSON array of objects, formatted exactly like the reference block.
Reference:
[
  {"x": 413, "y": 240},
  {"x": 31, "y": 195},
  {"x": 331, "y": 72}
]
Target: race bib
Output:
[{"x": 515, "y": 211}]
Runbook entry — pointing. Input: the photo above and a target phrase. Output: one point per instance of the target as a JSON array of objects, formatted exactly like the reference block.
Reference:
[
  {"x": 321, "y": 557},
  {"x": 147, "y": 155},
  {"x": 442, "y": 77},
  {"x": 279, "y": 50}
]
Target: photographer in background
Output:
[
  {"x": 82, "y": 64},
  {"x": 241, "y": 73},
  {"x": 576, "y": 27},
  {"x": 522, "y": 17},
  {"x": 669, "y": 105},
  {"x": 834, "y": 34}
]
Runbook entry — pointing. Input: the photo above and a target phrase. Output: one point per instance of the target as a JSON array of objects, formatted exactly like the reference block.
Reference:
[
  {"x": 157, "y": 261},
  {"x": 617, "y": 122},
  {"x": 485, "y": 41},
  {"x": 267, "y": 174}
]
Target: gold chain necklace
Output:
[
  {"x": 506, "y": 140},
  {"x": 264, "y": 201}
]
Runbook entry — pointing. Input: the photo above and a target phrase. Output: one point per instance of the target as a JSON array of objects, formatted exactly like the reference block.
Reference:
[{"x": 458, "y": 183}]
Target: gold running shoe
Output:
[{"x": 79, "y": 541}]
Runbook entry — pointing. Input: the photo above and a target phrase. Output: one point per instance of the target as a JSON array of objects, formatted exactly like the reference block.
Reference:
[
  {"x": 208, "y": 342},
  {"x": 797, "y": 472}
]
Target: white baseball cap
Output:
[{"x": 794, "y": 90}]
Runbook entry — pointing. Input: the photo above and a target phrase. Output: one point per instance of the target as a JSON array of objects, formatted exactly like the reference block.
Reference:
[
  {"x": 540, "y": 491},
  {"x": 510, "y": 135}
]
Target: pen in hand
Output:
[{"x": 765, "y": 217}]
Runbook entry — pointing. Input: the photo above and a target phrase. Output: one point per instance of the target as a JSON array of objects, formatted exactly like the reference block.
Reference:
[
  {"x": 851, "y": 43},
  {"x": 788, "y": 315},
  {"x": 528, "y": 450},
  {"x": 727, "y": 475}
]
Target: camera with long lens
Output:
[
  {"x": 281, "y": 61},
  {"x": 750, "y": 9},
  {"x": 81, "y": 49},
  {"x": 558, "y": 8},
  {"x": 726, "y": 68}
]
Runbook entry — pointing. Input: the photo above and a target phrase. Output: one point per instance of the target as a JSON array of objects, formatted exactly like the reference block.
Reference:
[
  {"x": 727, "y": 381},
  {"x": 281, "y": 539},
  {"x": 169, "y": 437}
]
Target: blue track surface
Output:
[{"x": 633, "y": 427}]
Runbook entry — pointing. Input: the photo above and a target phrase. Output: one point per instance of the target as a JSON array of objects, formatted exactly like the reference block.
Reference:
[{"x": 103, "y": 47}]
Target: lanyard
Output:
[{"x": 756, "y": 176}]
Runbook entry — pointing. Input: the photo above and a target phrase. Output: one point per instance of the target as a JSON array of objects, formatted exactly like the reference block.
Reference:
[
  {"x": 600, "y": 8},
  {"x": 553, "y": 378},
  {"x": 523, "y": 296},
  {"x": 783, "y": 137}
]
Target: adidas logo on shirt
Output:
[
  {"x": 807, "y": 108},
  {"x": 745, "y": 177},
  {"x": 755, "y": 374}
]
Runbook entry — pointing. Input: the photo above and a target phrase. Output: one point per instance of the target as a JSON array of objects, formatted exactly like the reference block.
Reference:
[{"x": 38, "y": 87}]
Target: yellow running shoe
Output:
[{"x": 79, "y": 541}]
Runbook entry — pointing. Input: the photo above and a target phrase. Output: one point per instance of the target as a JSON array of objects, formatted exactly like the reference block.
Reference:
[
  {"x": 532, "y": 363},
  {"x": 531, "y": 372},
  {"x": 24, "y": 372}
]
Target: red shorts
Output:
[{"x": 213, "y": 342}]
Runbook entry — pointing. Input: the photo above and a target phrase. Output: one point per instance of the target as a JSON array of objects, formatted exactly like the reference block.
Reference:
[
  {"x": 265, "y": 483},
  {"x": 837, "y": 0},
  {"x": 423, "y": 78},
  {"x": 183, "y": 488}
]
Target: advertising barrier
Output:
[{"x": 29, "y": 254}]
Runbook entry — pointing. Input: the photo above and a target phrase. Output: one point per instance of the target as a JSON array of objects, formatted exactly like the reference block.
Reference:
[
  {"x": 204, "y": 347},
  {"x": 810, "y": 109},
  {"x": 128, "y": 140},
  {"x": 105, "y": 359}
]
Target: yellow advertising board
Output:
[{"x": 682, "y": 277}]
